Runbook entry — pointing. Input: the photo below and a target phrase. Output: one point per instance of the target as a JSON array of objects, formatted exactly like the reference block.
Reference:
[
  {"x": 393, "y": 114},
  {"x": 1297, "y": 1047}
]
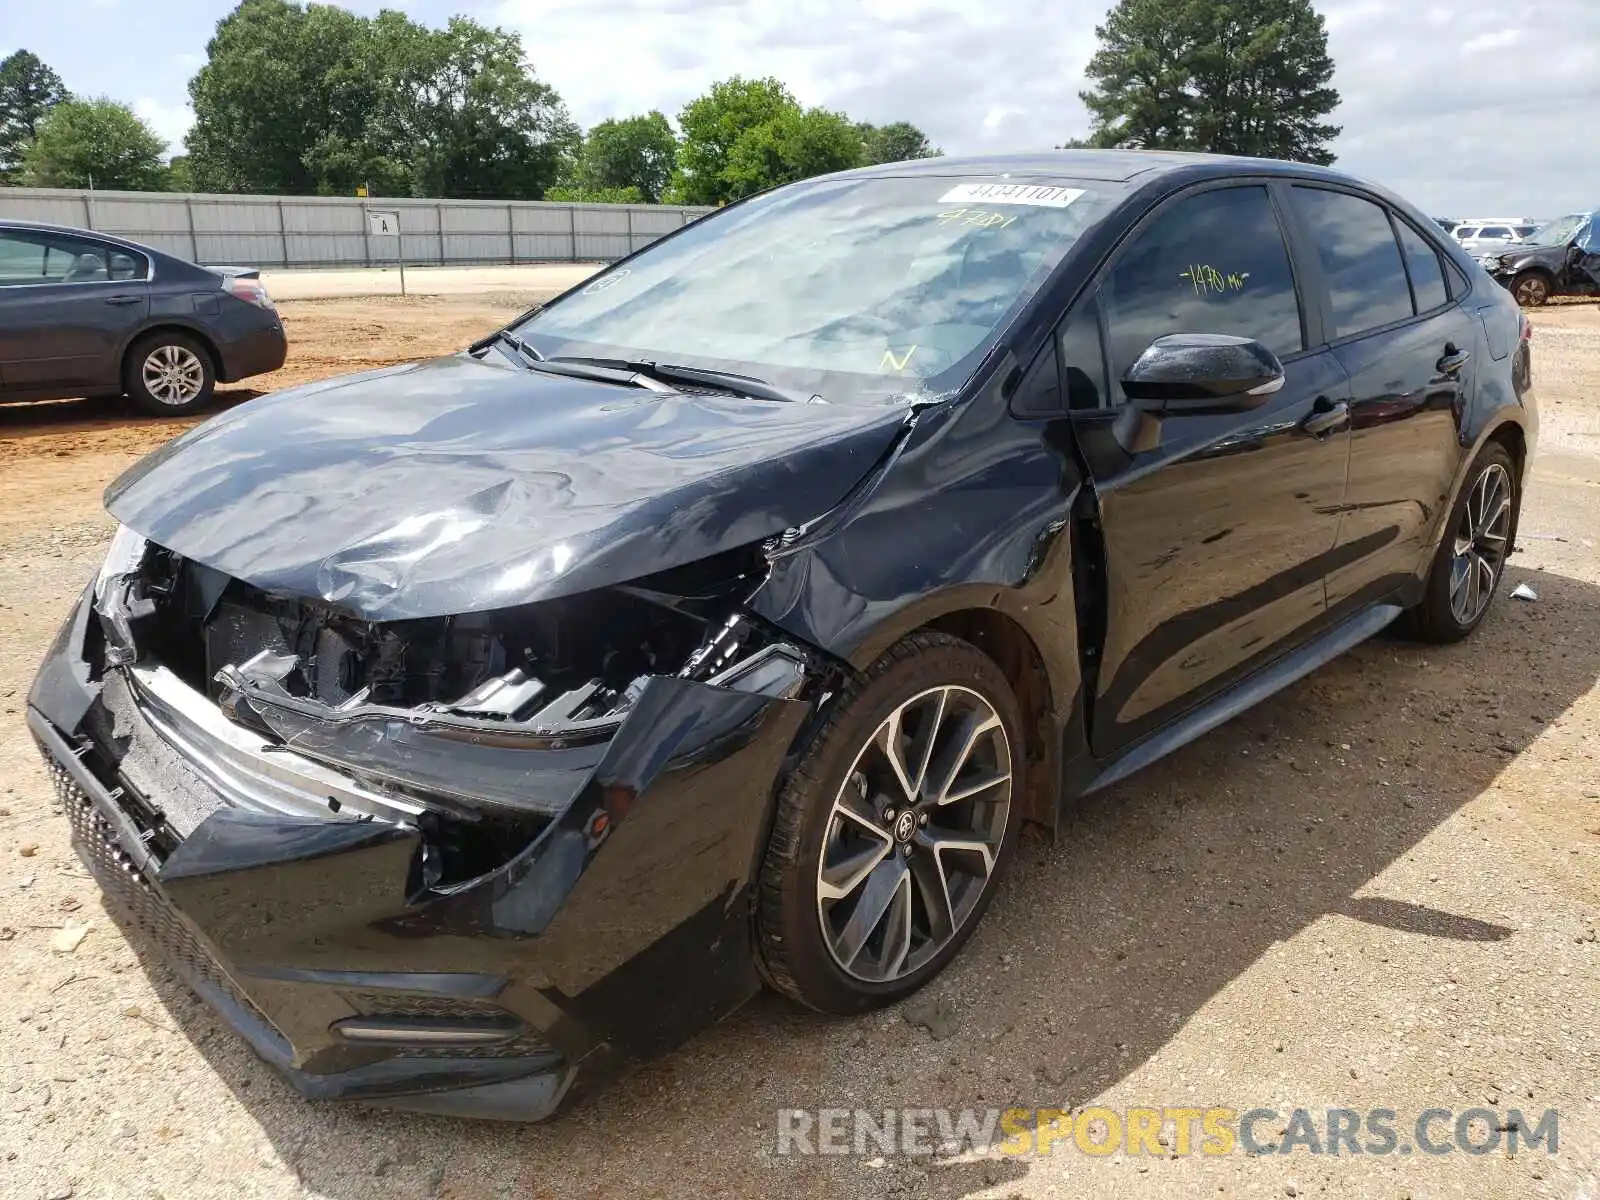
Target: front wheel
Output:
[
  {"x": 891, "y": 833},
  {"x": 1472, "y": 557},
  {"x": 1531, "y": 289}
]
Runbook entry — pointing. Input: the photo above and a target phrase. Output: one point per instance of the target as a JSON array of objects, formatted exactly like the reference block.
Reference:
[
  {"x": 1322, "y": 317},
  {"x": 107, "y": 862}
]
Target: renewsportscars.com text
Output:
[{"x": 1181, "y": 1131}]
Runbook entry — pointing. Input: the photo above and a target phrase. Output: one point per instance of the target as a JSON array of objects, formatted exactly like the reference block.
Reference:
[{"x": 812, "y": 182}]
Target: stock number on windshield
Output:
[{"x": 977, "y": 218}]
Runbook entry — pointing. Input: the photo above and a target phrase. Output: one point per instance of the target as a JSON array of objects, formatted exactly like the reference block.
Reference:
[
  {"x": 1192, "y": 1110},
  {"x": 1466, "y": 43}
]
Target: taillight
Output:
[
  {"x": 1527, "y": 327},
  {"x": 252, "y": 291}
]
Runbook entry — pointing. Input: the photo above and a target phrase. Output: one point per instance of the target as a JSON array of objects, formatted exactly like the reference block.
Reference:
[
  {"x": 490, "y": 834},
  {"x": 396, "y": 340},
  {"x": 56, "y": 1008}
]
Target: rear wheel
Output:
[
  {"x": 169, "y": 374},
  {"x": 1472, "y": 557},
  {"x": 1531, "y": 289},
  {"x": 892, "y": 832}
]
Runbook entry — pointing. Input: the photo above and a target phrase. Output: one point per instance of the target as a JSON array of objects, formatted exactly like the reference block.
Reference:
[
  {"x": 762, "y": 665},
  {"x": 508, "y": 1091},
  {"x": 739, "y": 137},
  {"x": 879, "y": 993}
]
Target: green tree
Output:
[
  {"x": 314, "y": 98},
  {"x": 28, "y": 91},
  {"x": 98, "y": 143},
  {"x": 712, "y": 124},
  {"x": 179, "y": 177},
  {"x": 460, "y": 105},
  {"x": 637, "y": 153},
  {"x": 898, "y": 141},
  {"x": 1226, "y": 76},
  {"x": 576, "y": 193},
  {"x": 792, "y": 145},
  {"x": 279, "y": 78}
]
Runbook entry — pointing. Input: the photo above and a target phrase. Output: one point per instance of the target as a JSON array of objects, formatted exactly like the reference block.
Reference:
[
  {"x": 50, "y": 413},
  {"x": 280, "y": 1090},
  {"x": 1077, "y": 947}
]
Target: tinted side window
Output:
[
  {"x": 1359, "y": 258},
  {"x": 1496, "y": 231},
  {"x": 78, "y": 262},
  {"x": 46, "y": 258},
  {"x": 1427, "y": 272},
  {"x": 1083, "y": 360},
  {"x": 21, "y": 261},
  {"x": 1212, "y": 263}
]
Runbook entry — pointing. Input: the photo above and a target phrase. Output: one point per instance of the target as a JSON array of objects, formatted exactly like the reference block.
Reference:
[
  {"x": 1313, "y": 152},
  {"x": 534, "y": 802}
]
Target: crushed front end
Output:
[{"x": 470, "y": 864}]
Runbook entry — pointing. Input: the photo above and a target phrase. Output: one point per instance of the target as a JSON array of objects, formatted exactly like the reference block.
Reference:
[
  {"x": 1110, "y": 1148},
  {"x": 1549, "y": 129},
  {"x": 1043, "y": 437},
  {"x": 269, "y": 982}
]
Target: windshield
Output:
[
  {"x": 1558, "y": 233},
  {"x": 854, "y": 290}
]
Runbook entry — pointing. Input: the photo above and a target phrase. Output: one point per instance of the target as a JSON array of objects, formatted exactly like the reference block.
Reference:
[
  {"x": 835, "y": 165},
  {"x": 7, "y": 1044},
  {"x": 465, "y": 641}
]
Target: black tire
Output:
[
  {"x": 793, "y": 953},
  {"x": 176, "y": 395},
  {"x": 1531, "y": 289},
  {"x": 1437, "y": 618}
]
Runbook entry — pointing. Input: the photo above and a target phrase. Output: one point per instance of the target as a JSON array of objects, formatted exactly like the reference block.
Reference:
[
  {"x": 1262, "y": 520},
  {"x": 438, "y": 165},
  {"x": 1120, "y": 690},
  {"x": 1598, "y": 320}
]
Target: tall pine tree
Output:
[
  {"x": 1225, "y": 76},
  {"x": 28, "y": 91}
]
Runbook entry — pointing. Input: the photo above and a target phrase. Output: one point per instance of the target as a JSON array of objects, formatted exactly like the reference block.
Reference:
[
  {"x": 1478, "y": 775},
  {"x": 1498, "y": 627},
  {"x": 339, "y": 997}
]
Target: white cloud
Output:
[
  {"x": 943, "y": 64},
  {"x": 170, "y": 121},
  {"x": 1497, "y": 39},
  {"x": 1461, "y": 118},
  {"x": 1440, "y": 101}
]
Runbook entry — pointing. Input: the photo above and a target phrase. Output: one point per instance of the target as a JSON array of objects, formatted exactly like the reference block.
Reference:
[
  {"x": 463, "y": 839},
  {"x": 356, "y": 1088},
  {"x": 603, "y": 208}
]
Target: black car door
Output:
[
  {"x": 1218, "y": 538},
  {"x": 1412, "y": 353},
  {"x": 67, "y": 307}
]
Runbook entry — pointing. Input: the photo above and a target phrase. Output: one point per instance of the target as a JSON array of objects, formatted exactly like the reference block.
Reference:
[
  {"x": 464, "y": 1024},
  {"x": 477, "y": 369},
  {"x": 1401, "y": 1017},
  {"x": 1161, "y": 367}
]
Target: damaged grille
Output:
[
  {"x": 434, "y": 714},
  {"x": 135, "y": 899}
]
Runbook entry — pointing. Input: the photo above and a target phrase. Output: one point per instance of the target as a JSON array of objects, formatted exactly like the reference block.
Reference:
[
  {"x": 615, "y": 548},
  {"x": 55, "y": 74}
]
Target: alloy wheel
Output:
[
  {"x": 915, "y": 834},
  {"x": 1481, "y": 544},
  {"x": 173, "y": 374},
  {"x": 1532, "y": 292}
]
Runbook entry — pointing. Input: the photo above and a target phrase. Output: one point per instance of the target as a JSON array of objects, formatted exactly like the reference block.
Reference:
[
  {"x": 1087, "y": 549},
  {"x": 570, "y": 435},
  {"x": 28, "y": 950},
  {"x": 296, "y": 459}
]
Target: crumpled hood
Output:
[
  {"x": 1520, "y": 252},
  {"x": 455, "y": 486}
]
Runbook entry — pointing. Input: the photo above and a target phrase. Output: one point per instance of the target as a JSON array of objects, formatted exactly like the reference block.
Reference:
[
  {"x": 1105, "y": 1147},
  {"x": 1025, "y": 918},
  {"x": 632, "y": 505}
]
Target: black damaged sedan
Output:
[{"x": 465, "y": 731}]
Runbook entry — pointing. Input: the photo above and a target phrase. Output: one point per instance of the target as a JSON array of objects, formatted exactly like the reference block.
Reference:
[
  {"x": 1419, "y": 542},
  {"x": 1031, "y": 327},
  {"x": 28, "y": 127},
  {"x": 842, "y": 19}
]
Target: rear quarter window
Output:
[
  {"x": 127, "y": 265},
  {"x": 1425, "y": 268},
  {"x": 1360, "y": 259}
]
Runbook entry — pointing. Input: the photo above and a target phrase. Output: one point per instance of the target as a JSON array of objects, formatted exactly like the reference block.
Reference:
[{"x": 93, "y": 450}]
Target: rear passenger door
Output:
[
  {"x": 67, "y": 306},
  {"x": 1411, "y": 350},
  {"x": 1218, "y": 537}
]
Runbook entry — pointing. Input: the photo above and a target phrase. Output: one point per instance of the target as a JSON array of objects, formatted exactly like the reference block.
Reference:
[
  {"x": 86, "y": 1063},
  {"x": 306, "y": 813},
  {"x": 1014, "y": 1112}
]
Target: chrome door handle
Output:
[{"x": 1326, "y": 418}]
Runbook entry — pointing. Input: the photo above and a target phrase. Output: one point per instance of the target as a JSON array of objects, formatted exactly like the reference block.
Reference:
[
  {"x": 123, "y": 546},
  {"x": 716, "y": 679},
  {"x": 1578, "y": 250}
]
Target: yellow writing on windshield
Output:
[
  {"x": 1208, "y": 281},
  {"x": 891, "y": 363},
  {"x": 977, "y": 217}
]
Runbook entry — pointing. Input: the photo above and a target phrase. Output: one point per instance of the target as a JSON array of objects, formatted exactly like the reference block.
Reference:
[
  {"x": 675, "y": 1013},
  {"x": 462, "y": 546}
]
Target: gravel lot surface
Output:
[{"x": 1380, "y": 889}]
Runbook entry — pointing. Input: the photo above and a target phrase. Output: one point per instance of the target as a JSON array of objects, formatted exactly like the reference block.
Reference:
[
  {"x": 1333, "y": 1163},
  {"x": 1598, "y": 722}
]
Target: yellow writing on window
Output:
[
  {"x": 1208, "y": 281},
  {"x": 976, "y": 217},
  {"x": 891, "y": 363}
]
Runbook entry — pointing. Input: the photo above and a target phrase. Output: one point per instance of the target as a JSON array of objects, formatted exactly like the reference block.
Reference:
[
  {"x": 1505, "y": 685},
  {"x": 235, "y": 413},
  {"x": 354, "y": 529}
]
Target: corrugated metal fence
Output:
[{"x": 331, "y": 231}]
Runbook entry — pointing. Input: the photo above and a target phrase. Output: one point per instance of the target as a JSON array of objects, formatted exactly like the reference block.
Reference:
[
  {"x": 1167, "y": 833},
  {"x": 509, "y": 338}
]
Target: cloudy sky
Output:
[{"x": 1464, "y": 107}]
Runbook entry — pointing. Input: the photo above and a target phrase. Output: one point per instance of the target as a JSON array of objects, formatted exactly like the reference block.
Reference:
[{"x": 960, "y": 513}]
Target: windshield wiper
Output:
[
  {"x": 576, "y": 368},
  {"x": 583, "y": 368},
  {"x": 729, "y": 381},
  {"x": 526, "y": 352}
]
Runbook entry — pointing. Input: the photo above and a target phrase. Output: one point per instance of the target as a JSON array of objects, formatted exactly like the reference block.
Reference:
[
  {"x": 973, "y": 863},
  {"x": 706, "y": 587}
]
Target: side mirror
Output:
[{"x": 1194, "y": 373}]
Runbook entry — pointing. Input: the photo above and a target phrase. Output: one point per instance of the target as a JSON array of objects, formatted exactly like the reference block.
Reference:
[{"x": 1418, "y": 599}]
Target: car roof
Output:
[
  {"x": 1120, "y": 166},
  {"x": 76, "y": 231}
]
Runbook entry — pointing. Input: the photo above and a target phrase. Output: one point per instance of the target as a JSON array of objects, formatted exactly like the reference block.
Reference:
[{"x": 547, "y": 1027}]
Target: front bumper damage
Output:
[{"x": 431, "y": 908}]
